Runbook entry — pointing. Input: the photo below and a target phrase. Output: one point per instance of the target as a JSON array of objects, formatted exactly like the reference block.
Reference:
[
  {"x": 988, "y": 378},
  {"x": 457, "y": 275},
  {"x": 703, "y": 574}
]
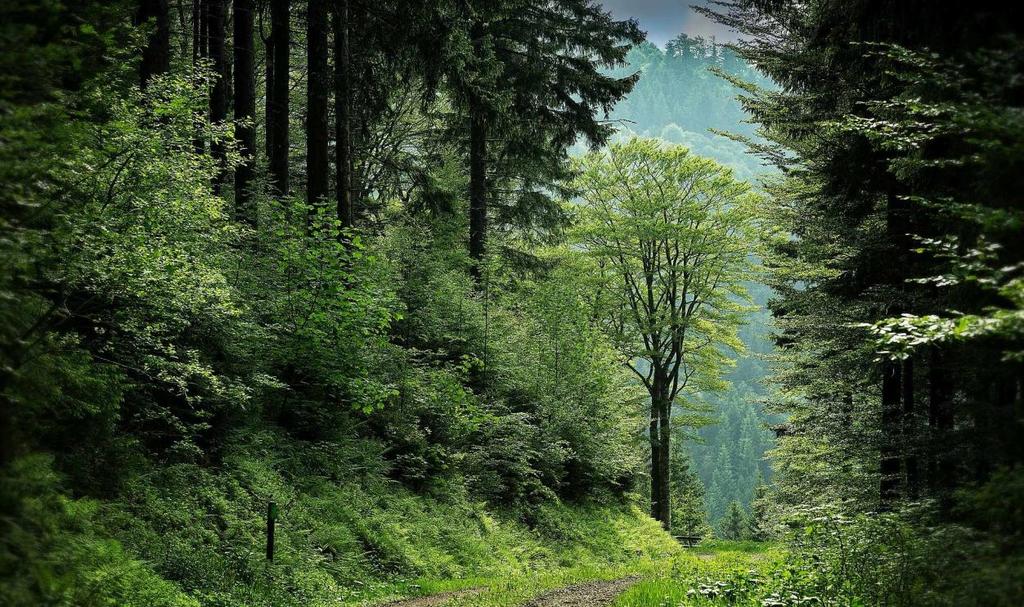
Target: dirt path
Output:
[
  {"x": 434, "y": 600},
  {"x": 589, "y": 594}
]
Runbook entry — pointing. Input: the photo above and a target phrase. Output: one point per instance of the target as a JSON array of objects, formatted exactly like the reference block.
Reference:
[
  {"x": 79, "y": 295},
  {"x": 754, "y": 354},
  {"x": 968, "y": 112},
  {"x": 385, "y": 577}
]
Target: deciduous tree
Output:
[{"x": 671, "y": 233}]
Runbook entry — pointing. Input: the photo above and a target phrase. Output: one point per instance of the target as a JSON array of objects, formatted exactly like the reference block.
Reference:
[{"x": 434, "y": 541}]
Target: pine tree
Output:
[
  {"x": 317, "y": 93},
  {"x": 875, "y": 241},
  {"x": 689, "y": 513},
  {"x": 215, "y": 19},
  {"x": 734, "y": 525},
  {"x": 245, "y": 108},
  {"x": 156, "y": 55},
  {"x": 343, "y": 113},
  {"x": 530, "y": 112},
  {"x": 278, "y": 92},
  {"x": 759, "y": 526}
]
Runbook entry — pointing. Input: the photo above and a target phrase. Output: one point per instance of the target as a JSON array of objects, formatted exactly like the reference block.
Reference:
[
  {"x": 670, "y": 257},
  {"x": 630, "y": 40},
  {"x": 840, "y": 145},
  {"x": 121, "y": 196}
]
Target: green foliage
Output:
[
  {"x": 734, "y": 525},
  {"x": 658, "y": 215},
  {"x": 689, "y": 510},
  {"x": 188, "y": 367},
  {"x": 680, "y": 100},
  {"x": 716, "y": 573},
  {"x": 56, "y": 551}
]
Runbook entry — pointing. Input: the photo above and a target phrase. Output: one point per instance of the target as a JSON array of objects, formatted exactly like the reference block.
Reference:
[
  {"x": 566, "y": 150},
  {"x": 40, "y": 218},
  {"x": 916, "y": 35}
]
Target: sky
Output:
[{"x": 666, "y": 19}]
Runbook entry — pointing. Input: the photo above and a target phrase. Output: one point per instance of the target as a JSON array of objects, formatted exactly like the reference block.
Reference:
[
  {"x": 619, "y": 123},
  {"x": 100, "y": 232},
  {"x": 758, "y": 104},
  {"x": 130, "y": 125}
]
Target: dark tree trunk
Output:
[
  {"x": 197, "y": 31},
  {"x": 156, "y": 55},
  {"x": 343, "y": 115},
  {"x": 268, "y": 117},
  {"x": 940, "y": 424},
  {"x": 278, "y": 96},
  {"x": 910, "y": 434},
  {"x": 245, "y": 110},
  {"x": 477, "y": 189},
  {"x": 654, "y": 437},
  {"x": 219, "y": 95},
  {"x": 316, "y": 102},
  {"x": 889, "y": 489},
  {"x": 477, "y": 174},
  {"x": 664, "y": 456},
  {"x": 200, "y": 51},
  {"x": 204, "y": 29},
  {"x": 661, "y": 432}
]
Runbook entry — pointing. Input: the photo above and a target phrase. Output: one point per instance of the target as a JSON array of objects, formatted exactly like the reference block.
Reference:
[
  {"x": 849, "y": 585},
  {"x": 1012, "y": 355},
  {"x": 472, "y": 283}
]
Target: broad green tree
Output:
[{"x": 670, "y": 234}]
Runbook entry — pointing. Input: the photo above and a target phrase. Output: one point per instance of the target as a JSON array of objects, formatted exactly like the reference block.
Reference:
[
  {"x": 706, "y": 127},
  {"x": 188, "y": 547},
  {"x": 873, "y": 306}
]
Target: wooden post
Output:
[{"x": 271, "y": 518}]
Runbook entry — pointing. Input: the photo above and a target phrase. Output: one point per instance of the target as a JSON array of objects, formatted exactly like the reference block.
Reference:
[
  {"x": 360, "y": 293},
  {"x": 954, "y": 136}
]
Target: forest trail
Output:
[
  {"x": 435, "y": 600},
  {"x": 585, "y": 594},
  {"x": 588, "y": 594}
]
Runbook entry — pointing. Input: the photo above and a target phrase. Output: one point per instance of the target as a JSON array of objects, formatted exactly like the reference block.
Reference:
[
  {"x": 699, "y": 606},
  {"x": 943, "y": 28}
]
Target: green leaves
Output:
[{"x": 671, "y": 235}]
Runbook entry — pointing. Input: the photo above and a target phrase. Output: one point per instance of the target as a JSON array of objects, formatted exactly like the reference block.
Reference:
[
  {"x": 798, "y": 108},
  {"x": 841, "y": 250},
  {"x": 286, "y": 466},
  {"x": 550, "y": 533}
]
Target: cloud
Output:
[{"x": 666, "y": 19}]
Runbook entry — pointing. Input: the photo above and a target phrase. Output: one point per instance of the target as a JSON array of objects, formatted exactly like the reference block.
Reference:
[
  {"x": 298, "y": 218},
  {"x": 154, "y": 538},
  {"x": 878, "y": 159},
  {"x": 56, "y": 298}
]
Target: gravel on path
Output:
[
  {"x": 589, "y": 594},
  {"x": 433, "y": 600}
]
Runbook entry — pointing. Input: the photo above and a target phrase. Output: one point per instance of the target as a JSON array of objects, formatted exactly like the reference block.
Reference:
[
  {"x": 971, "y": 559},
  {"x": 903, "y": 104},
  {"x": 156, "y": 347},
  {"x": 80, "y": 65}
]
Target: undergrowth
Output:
[{"x": 184, "y": 535}]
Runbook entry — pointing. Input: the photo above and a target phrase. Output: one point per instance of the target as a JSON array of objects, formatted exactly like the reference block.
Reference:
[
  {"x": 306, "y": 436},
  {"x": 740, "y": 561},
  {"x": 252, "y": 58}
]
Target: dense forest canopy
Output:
[{"x": 311, "y": 302}]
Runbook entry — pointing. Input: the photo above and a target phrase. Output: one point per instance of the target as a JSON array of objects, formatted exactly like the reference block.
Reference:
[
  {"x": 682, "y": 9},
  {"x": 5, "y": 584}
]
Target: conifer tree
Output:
[
  {"x": 156, "y": 55},
  {"x": 245, "y": 108},
  {"x": 317, "y": 93},
  {"x": 340, "y": 16},
  {"x": 879, "y": 206},
  {"x": 734, "y": 525},
  {"x": 278, "y": 93},
  {"x": 216, "y": 23},
  {"x": 532, "y": 111}
]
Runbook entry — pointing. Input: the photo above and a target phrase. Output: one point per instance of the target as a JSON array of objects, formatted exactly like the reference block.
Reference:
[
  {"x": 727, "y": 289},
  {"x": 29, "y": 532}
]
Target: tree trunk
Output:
[
  {"x": 200, "y": 50},
  {"x": 343, "y": 115},
  {"x": 889, "y": 488},
  {"x": 197, "y": 32},
  {"x": 268, "y": 74},
  {"x": 316, "y": 96},
  {"x": 278, "y": 96},
  {"x": 910, "y": 440},
  {"x": 219, "y": 95},
  {"x": 245, "y": 110},
  {"x": 477, "y": 175},
  {"x": 661, "y": 431},
  {"x": 156, "y": 55},
  {"x": 664, "y": 457},
  {"x": 940, "y": 424},
  {"x": 477, "y": 189},
  {"x": 654, "y": 437}
]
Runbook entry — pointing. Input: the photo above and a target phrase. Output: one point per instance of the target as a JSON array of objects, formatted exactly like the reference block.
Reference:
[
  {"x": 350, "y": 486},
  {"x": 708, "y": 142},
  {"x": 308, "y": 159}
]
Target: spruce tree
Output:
[
  {"x": 734, "y": 525},
  {"x": 156, "y": 55},
  {"x": 245, "y": 108},
  {"x": 317, "y": 93},
  {"x": 216, "y": 20},
  {"x": 529, "y": 112},
  {"x": 278, "y": 93}
]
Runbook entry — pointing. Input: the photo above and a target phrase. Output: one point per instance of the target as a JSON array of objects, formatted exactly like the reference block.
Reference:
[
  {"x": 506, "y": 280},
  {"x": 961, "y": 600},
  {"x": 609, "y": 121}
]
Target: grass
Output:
[
  {"x": 667, "y": 580},
  {"x": 515, "y": 588},
  {"x": 717, "y": 566},
  {"x": 192, "y": 536}
]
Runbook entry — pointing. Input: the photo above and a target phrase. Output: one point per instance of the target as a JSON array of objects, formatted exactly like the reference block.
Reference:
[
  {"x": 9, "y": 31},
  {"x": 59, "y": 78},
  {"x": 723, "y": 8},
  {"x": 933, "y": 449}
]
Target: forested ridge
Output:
[{"x": 337, "y": 302}]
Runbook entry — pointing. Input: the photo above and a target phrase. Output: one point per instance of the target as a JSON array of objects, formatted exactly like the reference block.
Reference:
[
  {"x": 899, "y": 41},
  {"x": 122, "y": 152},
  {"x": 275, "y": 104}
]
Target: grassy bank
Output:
[
  {"x": 184, "y": 535},
  {"x": 716, "y": 573}
]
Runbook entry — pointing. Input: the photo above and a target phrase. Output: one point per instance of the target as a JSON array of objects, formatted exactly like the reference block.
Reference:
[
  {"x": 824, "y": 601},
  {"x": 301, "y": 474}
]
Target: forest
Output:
[{"x": 500, "y": 303}]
